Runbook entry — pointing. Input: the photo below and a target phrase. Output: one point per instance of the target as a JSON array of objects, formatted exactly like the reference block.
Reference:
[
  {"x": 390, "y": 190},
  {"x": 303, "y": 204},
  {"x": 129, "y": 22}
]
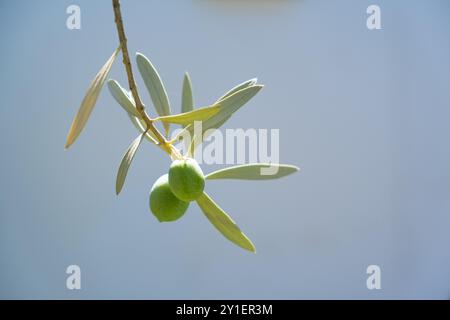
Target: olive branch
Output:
[{"x": 171, "y": 194}]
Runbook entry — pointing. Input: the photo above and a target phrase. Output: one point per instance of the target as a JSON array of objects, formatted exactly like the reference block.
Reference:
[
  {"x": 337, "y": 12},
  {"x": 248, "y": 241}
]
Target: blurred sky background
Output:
[{"x": 365, "y": 114}]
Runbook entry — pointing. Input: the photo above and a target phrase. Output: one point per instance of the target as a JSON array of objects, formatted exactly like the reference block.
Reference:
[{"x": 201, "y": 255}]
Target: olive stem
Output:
[{"x": 162, "y": 142}]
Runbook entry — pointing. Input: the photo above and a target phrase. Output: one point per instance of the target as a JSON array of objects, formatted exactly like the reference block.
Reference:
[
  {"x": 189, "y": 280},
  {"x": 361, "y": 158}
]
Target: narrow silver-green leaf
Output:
[
  {"x": 239, "y": 87},
  {"x": 184, "y": 119},
  {"x": 89, "y": 100},
  {"x": 187, "y": 98},
  {"x": 222, "y": 221},
  {"x": 228, "y": 106},
  {"x": 191, "y": 148},
  {"x": 154, "y": 86},
  {"x": 126, "y": 162},
  {"x": 254, "y": 171},
  {"x": 123, "y": 98},
  {"x": 140, "y": 126}
]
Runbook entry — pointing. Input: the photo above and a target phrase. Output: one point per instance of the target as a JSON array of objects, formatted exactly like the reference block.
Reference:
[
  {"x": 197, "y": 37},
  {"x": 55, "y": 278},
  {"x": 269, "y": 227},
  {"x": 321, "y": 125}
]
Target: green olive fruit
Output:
[
  {"x": 164, "y": 204},
  {"x": 186, "y": 179}
]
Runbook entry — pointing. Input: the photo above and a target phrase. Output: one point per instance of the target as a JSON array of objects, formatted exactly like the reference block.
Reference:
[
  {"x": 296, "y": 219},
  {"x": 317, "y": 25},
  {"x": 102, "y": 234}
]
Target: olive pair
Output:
[{"x": 172, "y": 192}]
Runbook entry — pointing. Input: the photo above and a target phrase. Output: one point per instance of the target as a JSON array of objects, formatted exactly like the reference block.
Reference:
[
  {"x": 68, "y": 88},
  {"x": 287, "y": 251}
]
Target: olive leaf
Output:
[
  {"x": 126, "y": 162},
  {"x": 89, "y": 100},
  {"x": 154, "y": 86},
  {"x": 140, "y": 126},
  {"x": 191, "y": 148},
  {"x": 125, "y": 100},
  {"x": 228, "y": 106},
  {"x": 223, "y": 222},
  {"x": 239, "y": 87},
  {"x": 186, "y": 118},
  {"x": 187, "y": 98},
  {"x": 253, "y": 171}
]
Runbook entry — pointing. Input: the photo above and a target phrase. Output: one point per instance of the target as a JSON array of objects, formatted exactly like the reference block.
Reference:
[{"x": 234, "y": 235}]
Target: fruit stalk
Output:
[{"x": 163, "y": 143}]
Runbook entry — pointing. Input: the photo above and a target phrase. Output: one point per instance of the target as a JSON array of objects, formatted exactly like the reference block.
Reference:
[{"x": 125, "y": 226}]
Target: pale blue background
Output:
[{"x": 365, "y": 114}]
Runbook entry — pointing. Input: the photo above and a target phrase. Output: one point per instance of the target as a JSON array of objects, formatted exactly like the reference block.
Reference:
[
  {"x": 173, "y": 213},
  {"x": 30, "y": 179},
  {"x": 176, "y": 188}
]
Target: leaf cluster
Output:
[{"x": 212, "y": 117}]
